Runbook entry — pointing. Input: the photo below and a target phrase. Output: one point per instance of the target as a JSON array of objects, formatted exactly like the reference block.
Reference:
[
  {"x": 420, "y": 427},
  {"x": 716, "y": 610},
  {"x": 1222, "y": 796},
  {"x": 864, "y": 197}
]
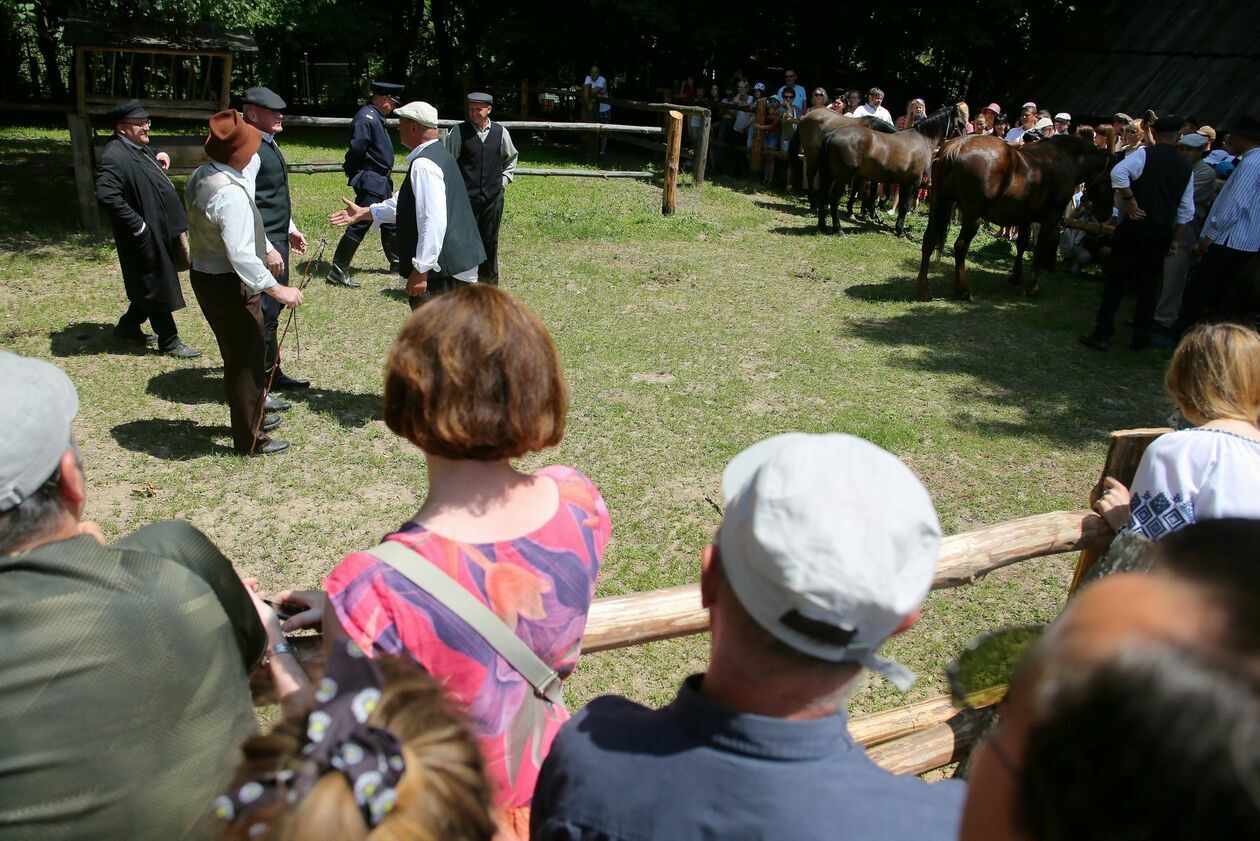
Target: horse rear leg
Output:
[{"x": 962, "y": 292}]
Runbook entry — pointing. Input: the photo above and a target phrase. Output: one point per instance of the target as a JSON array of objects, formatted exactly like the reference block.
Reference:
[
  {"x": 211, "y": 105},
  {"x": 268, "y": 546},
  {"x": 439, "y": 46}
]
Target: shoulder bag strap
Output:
[{"x": 476, "y": 614}]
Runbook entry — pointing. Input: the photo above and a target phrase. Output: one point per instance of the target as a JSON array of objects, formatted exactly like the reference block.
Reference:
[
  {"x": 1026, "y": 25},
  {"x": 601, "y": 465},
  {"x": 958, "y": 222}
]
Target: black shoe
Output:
[
  {"x": 270, "y": 422},
  {"x": 271, "y": 445},
  {"x": 1095, "y": 341},
  {"x": 283, "y": 381},
  {"x": 182, "y": 351},
  {"x": 338, "y": 276},
  {"x": 134, "y": 335},
  {"x": 275, "y": 404}
]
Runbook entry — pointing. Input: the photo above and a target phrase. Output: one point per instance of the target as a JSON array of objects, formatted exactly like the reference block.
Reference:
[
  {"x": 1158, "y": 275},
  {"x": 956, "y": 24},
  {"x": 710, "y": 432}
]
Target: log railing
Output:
[{"x": 911, "y": 739}]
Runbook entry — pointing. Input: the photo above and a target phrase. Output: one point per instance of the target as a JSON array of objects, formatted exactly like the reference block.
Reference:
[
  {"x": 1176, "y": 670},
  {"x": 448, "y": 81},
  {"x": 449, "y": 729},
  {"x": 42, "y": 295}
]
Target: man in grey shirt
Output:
[{"x": 487, "y": 159}]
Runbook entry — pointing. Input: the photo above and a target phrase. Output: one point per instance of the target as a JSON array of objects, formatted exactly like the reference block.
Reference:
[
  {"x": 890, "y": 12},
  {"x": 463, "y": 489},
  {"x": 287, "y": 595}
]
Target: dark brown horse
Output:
[
  {"x": 808, "y": 140},
  {"x": 987, "y": 178},
  {"x": 850, "y": 152}
]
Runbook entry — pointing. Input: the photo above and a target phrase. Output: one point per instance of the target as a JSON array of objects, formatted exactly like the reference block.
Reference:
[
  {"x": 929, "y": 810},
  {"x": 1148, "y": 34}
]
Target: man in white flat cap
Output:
[
  {"x": 438, "y": 241},
  {"x": 827, "y": 547},
  {"x": 1062, "y": 122}
]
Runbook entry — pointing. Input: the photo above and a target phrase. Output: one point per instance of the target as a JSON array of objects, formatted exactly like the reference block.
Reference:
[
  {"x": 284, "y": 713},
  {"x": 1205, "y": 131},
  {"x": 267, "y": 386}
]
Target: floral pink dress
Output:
[{"x": 540, "y": 584}]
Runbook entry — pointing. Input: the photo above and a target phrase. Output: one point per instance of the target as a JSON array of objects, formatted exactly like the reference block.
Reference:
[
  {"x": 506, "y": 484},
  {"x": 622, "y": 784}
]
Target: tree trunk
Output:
[
  {"x": 443, "y": 13},
  {"x": 48, "y": 49}
]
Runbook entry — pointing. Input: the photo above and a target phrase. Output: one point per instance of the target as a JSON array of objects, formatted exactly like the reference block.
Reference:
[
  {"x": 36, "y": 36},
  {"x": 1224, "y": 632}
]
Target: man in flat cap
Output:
[
  {"x": 487, "y": 160},
  {"x": 113, "y": 654},
  {"x": 438, "y": 239},
  {"x": 264, "y": 111},
  {"x": 1155, "y": 198},
  {"x": 368, "y": 164},
  {"x": 229, "y": 272},
  {"x": 148, "y": 221}
]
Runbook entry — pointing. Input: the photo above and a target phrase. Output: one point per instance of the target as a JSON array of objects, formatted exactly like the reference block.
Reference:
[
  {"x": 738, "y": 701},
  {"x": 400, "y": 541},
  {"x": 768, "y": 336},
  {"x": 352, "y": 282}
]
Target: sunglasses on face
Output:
[{"x": 139, "y": 123}]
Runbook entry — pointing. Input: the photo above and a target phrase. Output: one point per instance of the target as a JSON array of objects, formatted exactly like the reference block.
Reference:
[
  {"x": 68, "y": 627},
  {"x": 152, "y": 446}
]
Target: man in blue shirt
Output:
[
  {"x": 792, "y": 92},
  {"x": 1231, "y": 236},
  {"x": 369, "y": 162},
  {"x": 827, "y": 548}
]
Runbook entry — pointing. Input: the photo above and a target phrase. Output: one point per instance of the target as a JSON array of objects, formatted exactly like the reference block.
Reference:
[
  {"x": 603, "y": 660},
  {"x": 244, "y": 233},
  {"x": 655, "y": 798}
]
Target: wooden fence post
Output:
[
  {"x": 754, "y": 157},
  {"x": 524, "y": 99},
  {"x": 673, "y": 146},
  {"x": 1124, "y": 452},
  {"x": 701, "y": 159},
  {"x": 588, "y": 117},
  {"x": 84, "y": 177}
]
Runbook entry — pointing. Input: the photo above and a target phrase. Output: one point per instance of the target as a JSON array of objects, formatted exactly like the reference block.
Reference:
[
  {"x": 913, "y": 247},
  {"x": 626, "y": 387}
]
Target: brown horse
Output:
[
  {"x": 808, "y": 140},
  {"x": 987, "y": 178},
  {"x": 901, "y": 157}
]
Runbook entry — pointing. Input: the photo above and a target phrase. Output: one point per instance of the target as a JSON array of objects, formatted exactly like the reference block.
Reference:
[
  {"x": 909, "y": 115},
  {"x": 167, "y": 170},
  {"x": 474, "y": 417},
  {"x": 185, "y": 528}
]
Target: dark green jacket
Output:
[{"x": 123, "y": 688}]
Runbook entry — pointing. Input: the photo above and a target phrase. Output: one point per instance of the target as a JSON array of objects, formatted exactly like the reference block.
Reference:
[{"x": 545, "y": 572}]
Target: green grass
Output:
[{"x": 685, "y": 339}]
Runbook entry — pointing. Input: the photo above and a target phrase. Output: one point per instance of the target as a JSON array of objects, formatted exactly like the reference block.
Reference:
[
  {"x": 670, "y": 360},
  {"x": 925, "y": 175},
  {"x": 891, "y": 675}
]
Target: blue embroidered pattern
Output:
[{"x": 1158, "y": 516}]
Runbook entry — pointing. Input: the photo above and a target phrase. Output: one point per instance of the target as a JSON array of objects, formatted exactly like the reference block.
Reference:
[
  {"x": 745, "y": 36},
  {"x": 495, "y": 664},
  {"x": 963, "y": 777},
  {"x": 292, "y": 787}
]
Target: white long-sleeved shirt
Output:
[
  {"x": 1131, "y": 168},
  {"x": 1234, "y": 220},
  {"x": 428, "y": 185},
  {"x": 865, "y": 110},
  {"x": 231, "y": 210}
]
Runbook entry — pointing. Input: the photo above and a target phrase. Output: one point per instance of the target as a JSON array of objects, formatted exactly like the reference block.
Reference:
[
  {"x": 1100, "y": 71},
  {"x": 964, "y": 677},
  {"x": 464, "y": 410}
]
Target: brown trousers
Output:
[{"x": 235, "y": 316}]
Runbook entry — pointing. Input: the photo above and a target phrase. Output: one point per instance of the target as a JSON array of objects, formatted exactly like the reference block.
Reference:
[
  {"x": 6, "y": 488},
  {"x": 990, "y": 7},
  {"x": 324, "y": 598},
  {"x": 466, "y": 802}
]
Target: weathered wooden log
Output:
[
  {"x": 673, "y": 143},
  {"x": 664, "y": 107},
  {"x": 877, "y": 728},
  {"x": 511, "y": 125},
  {"x": 754, "y": 157},
  {"x": 933, "y": 748},
  {"x": 636, "y": 618},
  {"x": 313, "y": 168},
  {"x": 701, "y": 159},
  {"x": 1124, "y": 452}
]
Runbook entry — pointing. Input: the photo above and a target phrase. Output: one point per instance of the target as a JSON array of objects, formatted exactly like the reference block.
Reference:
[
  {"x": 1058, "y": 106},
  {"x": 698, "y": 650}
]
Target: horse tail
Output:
[{"x": 941, "y": 200}]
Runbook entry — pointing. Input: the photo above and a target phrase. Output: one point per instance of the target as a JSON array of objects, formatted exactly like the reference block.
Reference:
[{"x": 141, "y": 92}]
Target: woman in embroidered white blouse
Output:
[{"x": 1213, "y": 470}]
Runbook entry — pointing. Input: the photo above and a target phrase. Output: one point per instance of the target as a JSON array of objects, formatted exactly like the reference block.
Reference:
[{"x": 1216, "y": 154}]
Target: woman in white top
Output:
[{"x": 1213, "y": 470}]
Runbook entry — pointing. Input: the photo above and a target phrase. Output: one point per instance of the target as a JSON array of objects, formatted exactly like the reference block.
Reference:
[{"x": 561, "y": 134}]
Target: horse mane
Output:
[
  {"x": 876, "y": 124},
  {"x": 936, "y": 120}
]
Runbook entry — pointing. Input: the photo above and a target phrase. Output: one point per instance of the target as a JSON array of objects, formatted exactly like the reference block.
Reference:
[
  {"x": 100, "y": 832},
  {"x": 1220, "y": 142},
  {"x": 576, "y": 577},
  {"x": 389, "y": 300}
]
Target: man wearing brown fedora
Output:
[{"x": 229, "y": 272}]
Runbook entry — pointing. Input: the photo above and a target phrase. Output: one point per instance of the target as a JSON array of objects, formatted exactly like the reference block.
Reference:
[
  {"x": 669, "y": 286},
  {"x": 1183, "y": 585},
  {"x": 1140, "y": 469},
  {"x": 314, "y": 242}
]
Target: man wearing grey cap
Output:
[
  {"x": 827, "y": 547},
  {"x": 438, "y": 241},
  {"x": 487, "y": 160},
  {"x": 123, "y": 675},
  {"x": 264, "y": 110}
]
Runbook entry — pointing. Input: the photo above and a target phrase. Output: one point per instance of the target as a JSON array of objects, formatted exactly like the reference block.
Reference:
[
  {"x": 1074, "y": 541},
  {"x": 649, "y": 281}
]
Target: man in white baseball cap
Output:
[
  {"x": 438, "y": 241},
  {"x": 827, "y": 547}
]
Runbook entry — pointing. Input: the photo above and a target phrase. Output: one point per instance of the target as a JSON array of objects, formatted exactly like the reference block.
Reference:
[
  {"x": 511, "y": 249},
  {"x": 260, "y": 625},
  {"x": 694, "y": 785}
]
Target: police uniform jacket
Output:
[
  {"x": 371, "y": 154},
  {"x": 147, "y": 217}
]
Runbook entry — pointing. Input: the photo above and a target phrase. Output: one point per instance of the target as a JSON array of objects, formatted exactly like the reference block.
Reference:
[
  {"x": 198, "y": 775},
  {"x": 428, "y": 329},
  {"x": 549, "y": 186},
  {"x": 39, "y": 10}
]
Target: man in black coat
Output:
[
  {"x": 369, "y": 162},
  {"x": 148, "y": 221}
]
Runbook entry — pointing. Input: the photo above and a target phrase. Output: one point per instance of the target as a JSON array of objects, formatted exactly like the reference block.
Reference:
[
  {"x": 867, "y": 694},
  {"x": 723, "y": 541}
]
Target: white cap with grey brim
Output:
[
  {"x": 829, "y": 543},
  {"x": 39, "y": 404}
]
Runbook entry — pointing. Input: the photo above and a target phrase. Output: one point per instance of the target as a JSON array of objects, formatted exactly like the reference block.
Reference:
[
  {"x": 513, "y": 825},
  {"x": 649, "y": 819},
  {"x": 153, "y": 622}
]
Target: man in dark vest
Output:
[
  {"x": 148, "y": 221},
  {"x": 1154, "y": 198},
  {"x": 487, "y": 160},
  {"x": 263, "y": 111},
  {"x": 438, "y": 241},
  {"x": 368, "y": 164}
]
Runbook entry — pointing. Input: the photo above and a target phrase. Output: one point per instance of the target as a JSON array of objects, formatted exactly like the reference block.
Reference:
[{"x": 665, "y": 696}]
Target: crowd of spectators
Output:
[{"x": 125, "y": 702}]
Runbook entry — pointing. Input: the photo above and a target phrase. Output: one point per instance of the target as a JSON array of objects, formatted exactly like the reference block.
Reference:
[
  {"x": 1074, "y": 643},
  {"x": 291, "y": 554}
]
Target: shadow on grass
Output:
[
  {"x": 198, "y": 386},
  {"x": 170, "y": 440},
  {"x": 395, "y": 293},
  {"x": 1006, "y": 350},
  {"x": 781, "y": 207},
  {"x": 85, "y": 338}
]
